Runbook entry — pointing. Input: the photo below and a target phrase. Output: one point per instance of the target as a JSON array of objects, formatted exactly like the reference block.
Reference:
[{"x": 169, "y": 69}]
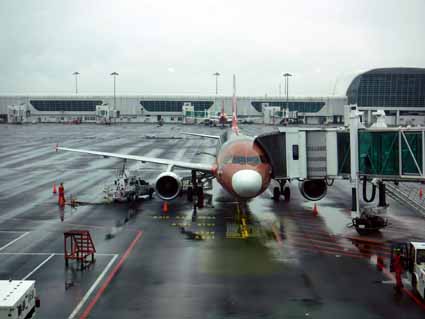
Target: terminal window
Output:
[{"x": 65, "y": 105}]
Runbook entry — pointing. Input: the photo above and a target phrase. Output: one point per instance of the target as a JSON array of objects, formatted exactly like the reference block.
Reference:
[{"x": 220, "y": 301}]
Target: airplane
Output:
[
  {"x": 241, "y": 167},
  {"x": 221, "y": 119}
]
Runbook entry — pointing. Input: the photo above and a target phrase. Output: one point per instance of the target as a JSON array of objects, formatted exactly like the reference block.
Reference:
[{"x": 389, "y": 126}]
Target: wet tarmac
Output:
[{"x": 293, "y": 264}]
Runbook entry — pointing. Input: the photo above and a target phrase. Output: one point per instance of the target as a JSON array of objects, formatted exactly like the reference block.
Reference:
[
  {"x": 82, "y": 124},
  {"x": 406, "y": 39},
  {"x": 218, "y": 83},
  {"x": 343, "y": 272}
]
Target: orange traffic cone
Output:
[
  {"x": 165, "y": 207},
  {"x": 54, "y": 188},
  {"x": 420, "y": 193},
  {"x": 315, "y": 210}
]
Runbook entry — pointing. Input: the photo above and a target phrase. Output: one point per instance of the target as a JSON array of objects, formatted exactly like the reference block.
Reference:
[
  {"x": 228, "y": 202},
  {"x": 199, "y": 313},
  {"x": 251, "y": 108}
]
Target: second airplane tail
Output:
[{"x": 235, "y": 127}]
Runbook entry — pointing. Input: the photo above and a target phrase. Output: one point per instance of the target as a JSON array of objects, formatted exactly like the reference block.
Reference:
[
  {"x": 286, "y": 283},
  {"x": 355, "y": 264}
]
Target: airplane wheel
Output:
[
  {"x": 276, "y": 194},
  {"x": 414, "y": 284},
  {"x": 200, "y": 197},
  {"x": 190, "y": 194},
  {"x": 287, "y": 194}
]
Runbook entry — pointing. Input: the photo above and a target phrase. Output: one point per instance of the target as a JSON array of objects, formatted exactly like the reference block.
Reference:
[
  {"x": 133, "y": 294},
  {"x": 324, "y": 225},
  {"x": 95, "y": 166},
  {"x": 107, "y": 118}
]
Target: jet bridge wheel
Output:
[
  {"x": 276, "y": 194},
  {"x": 287, "y": 194}
]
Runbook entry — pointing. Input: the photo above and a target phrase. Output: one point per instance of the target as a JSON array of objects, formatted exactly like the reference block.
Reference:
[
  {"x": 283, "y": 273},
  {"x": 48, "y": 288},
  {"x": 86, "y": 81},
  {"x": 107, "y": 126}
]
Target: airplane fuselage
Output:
[{"x": 242, "y": 168}]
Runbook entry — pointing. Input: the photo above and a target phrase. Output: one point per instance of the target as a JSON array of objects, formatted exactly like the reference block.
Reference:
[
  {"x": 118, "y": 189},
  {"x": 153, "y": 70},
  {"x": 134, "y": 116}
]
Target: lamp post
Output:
[
  {"x": 115, "y": 74},
  {"x": 286, "y": 76},
  {"x": 76, "y": 74}
]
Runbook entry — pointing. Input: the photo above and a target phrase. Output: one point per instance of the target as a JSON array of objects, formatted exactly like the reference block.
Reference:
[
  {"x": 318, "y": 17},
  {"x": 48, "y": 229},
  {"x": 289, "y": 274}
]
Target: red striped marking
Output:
[
  {"x": 337, "y": 246},
  {"x": 406, "y": 291},
  {"x": 329, "y": 252},
  {"x": 111, "y": 276}
]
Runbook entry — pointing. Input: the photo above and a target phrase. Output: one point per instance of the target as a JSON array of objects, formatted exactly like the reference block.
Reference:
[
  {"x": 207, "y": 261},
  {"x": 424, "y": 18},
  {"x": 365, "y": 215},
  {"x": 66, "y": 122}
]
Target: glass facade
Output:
[
  {"x": 300, "y": 106},
  {"x": 392, "y": 87},
  {"x": 378, "y": 153},
  {"x": 414, "y": 139},
  {"x": 343, "y": 147},
  {"x": 174, "y": 106},
  {"x": 65, "y": 105}
]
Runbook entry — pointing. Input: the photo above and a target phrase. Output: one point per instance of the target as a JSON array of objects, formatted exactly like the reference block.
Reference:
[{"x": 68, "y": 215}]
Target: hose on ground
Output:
[
  {"x": 372, "y": 196},
  {"x": 329, "y": 182}
]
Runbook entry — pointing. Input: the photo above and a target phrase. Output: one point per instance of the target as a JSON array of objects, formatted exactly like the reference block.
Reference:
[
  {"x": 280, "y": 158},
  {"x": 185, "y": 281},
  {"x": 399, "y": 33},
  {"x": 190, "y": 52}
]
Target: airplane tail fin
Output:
[{"x": 235, "y": 127}]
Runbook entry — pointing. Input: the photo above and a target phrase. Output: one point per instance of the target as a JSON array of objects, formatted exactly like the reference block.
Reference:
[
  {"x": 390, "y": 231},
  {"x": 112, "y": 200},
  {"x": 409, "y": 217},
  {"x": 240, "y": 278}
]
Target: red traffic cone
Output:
[
  {"x": 54, "y": 188},
  {"x": 165, "y": 207},
  {"x": 315, "y": 210},
  {"x": 421, "y": 194}
]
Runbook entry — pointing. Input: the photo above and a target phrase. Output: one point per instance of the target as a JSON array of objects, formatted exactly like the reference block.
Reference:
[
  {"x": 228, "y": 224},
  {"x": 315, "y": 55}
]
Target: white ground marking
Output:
[
  {"x": 13, "y": 241},
  {"x": 38, "y": 267},
  {"x": 92, "y": 288},
  {"x": 12, "y": 231},
  {"x": 43, "y": 254}
]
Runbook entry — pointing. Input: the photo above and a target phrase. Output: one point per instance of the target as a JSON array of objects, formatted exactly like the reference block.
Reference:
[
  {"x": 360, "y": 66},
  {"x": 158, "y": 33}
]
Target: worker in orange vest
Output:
[
  {"x": 398, "y": 269},
  {"x": 61, "y": 198}
]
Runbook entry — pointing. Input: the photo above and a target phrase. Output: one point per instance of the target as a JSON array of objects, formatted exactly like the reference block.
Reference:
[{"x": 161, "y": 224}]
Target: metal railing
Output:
[{"x": 407, "y": 195}]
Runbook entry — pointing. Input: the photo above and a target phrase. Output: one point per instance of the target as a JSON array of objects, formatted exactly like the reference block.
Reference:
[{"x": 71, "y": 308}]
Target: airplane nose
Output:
[{"x": 246, "y": 183}]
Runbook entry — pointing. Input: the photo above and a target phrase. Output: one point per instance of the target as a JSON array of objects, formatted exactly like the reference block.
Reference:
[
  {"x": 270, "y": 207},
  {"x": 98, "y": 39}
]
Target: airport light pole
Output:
[
  {"x": 76, "y": 74},
  {"x": 115, "y": 74},
  {"x": 286, "y": 76}
]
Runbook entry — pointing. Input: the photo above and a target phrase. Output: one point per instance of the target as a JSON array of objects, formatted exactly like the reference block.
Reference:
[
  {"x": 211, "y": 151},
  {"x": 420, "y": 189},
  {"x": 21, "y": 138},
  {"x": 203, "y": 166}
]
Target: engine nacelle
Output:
[
  {"x": 168, "y": 185},
  {"x": 313, "y": 189}
]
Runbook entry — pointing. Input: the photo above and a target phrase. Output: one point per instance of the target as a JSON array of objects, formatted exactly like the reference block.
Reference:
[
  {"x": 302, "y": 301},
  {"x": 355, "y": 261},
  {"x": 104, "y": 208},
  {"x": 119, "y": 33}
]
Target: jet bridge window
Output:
[{"x": 295, "y": 152}]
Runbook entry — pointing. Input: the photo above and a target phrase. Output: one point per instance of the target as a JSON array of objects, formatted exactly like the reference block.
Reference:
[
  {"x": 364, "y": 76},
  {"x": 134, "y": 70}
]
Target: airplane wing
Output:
[
  {"x": 202, "y": 135},
  {"x": 192, "y": 166}
]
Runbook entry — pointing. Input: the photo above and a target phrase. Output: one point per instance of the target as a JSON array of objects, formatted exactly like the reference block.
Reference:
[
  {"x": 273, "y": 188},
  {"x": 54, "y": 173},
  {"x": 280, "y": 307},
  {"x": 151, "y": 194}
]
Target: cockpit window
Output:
[
  {"x": 253, "y": 160},
  {"x": 239, "y": 160}
]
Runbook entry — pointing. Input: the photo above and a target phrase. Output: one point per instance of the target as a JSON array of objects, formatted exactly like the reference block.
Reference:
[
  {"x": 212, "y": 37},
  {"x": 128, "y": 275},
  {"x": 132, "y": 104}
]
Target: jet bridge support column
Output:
[
  {"x": 354, "y": 157},
  {"x": 381, "y": 194}
]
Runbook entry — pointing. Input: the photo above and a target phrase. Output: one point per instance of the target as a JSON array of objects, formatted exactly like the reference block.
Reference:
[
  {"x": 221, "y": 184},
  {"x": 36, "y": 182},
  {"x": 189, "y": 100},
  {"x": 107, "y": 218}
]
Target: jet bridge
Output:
[
  {"x": 319, "y": 153},
  {"x": 301, "y": 153}
]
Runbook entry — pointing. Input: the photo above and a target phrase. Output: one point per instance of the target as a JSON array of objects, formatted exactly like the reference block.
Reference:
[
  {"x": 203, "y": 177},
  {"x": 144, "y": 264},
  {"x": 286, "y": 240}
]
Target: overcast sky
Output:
[{"x": 167, "y": 47}]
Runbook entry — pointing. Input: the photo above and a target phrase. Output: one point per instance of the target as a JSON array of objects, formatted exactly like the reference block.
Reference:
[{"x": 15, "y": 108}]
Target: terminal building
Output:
[
  {"x": 400, "y": 92},
  {"x": 171, "y": 109}
]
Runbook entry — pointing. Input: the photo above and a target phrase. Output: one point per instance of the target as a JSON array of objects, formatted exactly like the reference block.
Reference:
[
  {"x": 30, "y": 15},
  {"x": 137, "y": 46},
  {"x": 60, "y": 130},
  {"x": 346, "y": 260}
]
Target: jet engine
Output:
[
  {"x": 168, "y": 185},
  {"x": 313, "y": 189}
]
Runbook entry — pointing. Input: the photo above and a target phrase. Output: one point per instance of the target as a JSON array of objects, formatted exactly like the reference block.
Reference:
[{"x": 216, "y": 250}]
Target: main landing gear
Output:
[
  {"x": 196, "y": 191},
  {"x": 281, "y": 190}
]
